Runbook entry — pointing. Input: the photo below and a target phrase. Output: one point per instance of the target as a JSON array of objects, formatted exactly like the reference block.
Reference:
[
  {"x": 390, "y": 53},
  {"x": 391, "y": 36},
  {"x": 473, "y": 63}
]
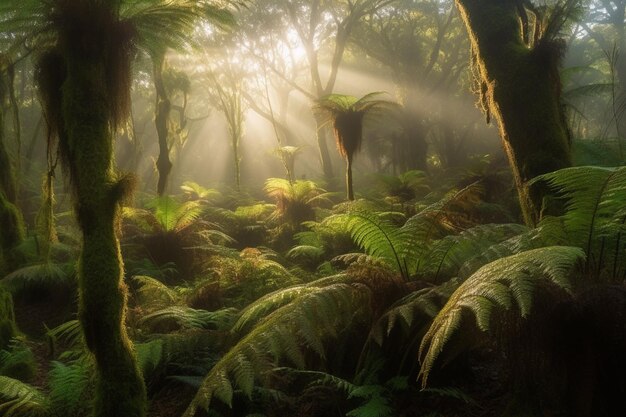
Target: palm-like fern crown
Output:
[
  {"x": 295, "y": 200},
  {"x": 347, "y": 114},
  {"x": 167, "y": 215}
]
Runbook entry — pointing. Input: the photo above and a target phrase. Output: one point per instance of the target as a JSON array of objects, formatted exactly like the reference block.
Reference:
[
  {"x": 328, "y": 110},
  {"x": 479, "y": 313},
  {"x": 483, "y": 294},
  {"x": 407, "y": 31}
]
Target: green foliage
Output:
[
  {"x": 403, "y": 247},
  {"x": 8, "y": 330},
  {"x": 295, "y": 200},
  {"x": 197, "y": 192},
  {"x": 496, "y": 287},
  {"x": 18, "y": 399},
  {"x": 595, "y": 215},
  {"x": 187, "y": 318},
  {"x": 167, "y": 215},
  {"x": 47, "y": 275},
  {"x": 71, "y": 387},
  {"x": 296, "y": 319},
  {"x": 18, "y": 362}
]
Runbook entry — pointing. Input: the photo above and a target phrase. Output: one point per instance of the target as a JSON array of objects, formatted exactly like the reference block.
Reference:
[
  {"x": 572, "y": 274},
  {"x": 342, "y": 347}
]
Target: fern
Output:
[
  {"x": 595, "y": 215},
  {"x": 18, "y": 399},
  {"x": 403, "y": 247},
  {"x": 187, "y": 317},
  {"x": 380, "y": 237},
  {"x": 309, "y": 320},
  {"x": 70, "y": 388},
  {"x": 446, "y": 256},
  {"x": 153, "y": 293},
  {"x": 501, "y": 284}
]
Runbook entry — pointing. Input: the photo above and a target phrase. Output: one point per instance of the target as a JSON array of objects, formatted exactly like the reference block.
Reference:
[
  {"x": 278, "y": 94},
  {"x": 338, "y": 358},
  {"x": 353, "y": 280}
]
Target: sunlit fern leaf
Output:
[
  {"x": 380, "y": 237},
  {"x": 18, "y": 399},
  {"x": 280, "y": 336},
  {"x": 269, "y": 302},
  {"x": 499, "y": 285},
  {"x": 70, "y": 388},
  {"x": 149, "y": 356},
  {"x": 550, "y": 232},
  {"x": 447, "y": 255},
  {"x": 153, "y": 293},
  {"x": 594, "y": 196},
  {"x": 423, "y": 304},
  {"x": 187, "y": 317},
  {"x": 46, "y": 275},
  {"x": 69, "y": 334},
  {"x": 173, "y": 215},
  {"x": 196, "y": 191},
  {"x": 305, "y": 252},
  {"x": 437, "y": 220}
]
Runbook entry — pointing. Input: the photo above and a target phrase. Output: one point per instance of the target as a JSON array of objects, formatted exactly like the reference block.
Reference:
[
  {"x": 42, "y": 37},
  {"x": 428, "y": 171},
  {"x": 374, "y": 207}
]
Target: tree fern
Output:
[{"x": 503, "y": 284}]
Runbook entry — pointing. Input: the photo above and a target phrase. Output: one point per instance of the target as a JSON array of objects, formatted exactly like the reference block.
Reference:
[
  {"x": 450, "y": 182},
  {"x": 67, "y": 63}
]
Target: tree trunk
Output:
[
  {"x": 87, "y": 140},
  {"x": 11, "y": 222},
  {"x": 521, "y": 87},
  {"x": 327, "y": 165},
  {"x": 163, "y": 108},
  {"x": 349, "y": 188}
]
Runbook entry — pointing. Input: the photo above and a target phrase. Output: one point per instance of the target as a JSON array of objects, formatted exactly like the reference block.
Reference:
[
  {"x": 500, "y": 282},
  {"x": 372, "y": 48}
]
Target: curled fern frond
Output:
[{"x": 500, "y": 285}]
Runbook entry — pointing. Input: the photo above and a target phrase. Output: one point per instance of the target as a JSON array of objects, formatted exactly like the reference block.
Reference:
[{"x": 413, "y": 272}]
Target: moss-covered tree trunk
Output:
[
  {"x": 161, "y": 118},
  {"x": 11, "y": 222},
  {"x": 102, "y": 297},
  {"x": 327, "y": 164},
  {"x": 520, "y": 87},
  {"x": 93, "y": 94}
]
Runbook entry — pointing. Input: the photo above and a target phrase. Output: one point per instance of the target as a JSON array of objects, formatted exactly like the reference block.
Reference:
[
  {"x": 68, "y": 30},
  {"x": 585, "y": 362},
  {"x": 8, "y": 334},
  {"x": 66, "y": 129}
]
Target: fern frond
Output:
[
  {"x": 308, "y": 321},
  {"x": 154, "y": 293},
  {"x": 595, "y": 216},
  {"x": 19, "y": 399},
  {"x": 46, "y": 275},
  {"x": 423, "y": 304},
  {"x": 70, "y": 387},
  {"x": 446, "y": 256},
  {"x": 379, "y": 237},
  {"x": 501, "y": 284},
  {"x": 187, "y": 318}
]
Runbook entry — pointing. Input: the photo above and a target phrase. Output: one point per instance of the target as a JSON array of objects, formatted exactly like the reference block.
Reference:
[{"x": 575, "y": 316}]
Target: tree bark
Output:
[
  {"x": 87, "y": 100},
  {"x": 11, "y": 221},
  {"x": 163, "y": 108},
  {"x": 349, "y": 188},
  {"x": 521, "y": 88}
]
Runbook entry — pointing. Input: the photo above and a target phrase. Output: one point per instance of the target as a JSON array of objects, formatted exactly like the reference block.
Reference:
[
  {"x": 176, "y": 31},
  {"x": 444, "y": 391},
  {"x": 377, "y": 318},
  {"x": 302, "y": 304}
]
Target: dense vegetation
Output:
[{"x": 177, "y": 238}]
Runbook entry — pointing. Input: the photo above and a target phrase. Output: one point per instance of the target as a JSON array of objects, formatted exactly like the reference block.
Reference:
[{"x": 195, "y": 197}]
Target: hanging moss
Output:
[
  {"x": 89, "y": 84},
  {"x": 520, "y": 87}
]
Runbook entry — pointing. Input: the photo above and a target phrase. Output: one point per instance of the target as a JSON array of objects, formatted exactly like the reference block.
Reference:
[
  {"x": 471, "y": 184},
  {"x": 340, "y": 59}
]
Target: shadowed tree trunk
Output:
[
  {"x": 85, "y": 88},
  {"x": 162, "y": 115},
  {"x": 520, "y": 87},
  {"x": 11, "y": 222}
]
